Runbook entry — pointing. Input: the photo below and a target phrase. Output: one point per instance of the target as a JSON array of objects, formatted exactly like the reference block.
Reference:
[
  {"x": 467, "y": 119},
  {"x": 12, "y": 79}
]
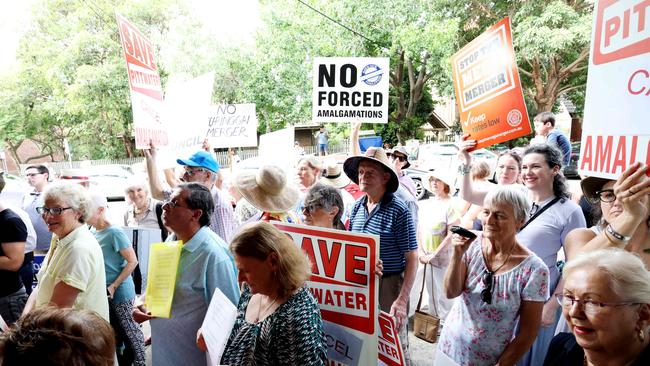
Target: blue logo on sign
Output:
[{"x": 371, "y": 74}]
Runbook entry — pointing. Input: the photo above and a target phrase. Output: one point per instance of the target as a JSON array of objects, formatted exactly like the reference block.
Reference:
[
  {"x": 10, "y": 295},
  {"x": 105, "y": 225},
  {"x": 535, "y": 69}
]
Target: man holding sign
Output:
[
  {"x": 381, "y": 213},
  {"x": 205, "y": 264}
]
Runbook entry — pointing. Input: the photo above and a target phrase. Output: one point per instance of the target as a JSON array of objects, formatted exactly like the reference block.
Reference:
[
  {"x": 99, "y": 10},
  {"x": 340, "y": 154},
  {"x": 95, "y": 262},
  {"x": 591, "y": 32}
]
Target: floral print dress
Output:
[{"x": 476, "y": 333}]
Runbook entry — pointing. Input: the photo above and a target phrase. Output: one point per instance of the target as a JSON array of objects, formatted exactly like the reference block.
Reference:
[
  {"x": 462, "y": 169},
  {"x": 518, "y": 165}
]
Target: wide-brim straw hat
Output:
[
  {"x": 590, "y": 185},
  {"x": 267, "y": 189},
  {"x": 334, "y": 176},
  {"x": 447, "y": 178},
  {"x": 378, "y": 155}
]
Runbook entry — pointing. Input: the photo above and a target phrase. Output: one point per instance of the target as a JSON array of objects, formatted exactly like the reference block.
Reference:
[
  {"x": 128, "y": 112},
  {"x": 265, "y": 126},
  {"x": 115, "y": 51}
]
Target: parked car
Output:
[
  {"x": 444, "y": 156},
  {"x": 571, "y": 170},
  {"x": 15, "y": 189},
  {"x": 111, "y": 179},
  {"x": 418, "y": 177}
]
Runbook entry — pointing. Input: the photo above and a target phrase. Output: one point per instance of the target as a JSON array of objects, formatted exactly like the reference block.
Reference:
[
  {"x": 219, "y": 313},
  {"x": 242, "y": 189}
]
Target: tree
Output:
[{"x": 551, "y": 42}]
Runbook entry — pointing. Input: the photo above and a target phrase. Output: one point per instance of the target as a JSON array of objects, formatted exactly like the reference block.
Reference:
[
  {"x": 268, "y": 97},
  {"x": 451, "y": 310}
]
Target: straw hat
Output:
[
  {"x": 378, "y": 155},
  {"x": 447, "y": 178},
  {"x": 334, "y": 176},
  {"x": 267, "y": 189},
  {"x": 590, "y": 185}
]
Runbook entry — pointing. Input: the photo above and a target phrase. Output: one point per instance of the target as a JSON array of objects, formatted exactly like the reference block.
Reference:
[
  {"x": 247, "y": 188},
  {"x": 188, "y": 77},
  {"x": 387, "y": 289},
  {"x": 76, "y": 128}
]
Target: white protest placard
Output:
[
  {"x": 186, "y": 108},
  {"x": 276, "y": 148},
  {"x": 144, "y": 83},
  {"x": 615, "y": 131},
  {"x": 232, "y": 125},
  {"x": 390, "y": 348},
  {"x": 3, "y": 325},
  {"x": 141, "y": 239},
  {"x": 217, "y": 325},
  {"x": 350, "y": 88},
  {"x": 346, "y": 288}
]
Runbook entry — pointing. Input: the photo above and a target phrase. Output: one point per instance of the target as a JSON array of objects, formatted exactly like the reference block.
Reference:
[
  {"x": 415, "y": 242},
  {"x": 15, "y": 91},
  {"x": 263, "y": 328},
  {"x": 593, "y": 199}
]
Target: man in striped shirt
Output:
[{"x": 382, "y": 213}]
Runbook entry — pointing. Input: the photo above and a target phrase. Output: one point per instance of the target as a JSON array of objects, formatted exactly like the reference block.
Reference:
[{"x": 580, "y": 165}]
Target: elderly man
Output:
[
  {"x": 200, "y": 168},
  {"x": 381, "y": 213},
  {"x": 205, "y": 265}
]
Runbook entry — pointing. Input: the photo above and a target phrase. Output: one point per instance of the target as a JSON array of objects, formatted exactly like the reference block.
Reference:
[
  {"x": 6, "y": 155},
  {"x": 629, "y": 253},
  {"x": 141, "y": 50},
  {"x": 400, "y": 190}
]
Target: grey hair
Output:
[
  {"x": 629, "y": 278},
  {"x": 136, "y": 182},
  {"x": 312, "y": 161},
  {"x": 73, "y": 195},
  {"x": 326, "y": 197},
  {"x": 512, "y": 196}
]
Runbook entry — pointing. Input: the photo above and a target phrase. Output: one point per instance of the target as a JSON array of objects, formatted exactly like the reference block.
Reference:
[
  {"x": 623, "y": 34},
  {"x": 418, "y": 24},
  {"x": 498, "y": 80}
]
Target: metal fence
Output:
[{"x": 221, "y": 156}]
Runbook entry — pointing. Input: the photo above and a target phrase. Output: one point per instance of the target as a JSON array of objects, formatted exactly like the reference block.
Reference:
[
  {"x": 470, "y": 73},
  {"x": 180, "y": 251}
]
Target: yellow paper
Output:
[{"x": 164, "y": 259}]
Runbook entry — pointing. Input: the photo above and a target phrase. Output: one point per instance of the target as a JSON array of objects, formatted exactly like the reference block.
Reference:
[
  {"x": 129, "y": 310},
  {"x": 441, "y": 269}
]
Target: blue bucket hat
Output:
[{"x": 202, "y": 159}]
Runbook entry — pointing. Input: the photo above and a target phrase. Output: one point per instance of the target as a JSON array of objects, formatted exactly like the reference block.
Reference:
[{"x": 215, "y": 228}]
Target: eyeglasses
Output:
[
  {"x": 395, "y": 156},
  {"x": 193, "y": 171},
  {"x": 54, "y": 211},
  {"x": 606, "y": 195},
  {"x": 486, "y": 294},
  {"x": 590, "y": 307},
  {"x": 32, "y": 174},
  {"x": 172, "y": 204},
  {"x": 307, "y": 209}
]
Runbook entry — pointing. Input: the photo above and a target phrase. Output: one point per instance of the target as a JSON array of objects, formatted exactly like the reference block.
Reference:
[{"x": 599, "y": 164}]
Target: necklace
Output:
[
  {"x": 268, "y": 306},
  {"x": 504, "y": 262}
]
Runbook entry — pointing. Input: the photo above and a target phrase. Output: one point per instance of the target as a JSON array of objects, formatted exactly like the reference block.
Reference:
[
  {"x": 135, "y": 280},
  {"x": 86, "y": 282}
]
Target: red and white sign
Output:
[
  {"x": 390, "y": 348},
  {"x": 615, "y": 131},
  {"x": 488, "y": 89},
  {"x": 144, "y": 82},
  {"x": 345, "y": 286}
]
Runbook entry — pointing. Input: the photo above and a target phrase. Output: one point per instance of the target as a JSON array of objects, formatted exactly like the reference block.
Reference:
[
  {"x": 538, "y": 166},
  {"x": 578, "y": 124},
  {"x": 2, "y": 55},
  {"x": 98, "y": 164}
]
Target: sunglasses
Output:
[
  {"x": 486, "y": 294},
  {"x": 398, "y": 157}
]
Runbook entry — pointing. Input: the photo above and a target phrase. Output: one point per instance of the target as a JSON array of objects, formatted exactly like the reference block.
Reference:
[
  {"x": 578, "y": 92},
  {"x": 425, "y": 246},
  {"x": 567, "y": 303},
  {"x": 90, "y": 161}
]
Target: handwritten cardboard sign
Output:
[
  {"x": 615, "y": 132},
  {"x": 488, "y": 89},
  {"x": 145, "y": 86},
  {"x": 232, "y": 125},
  {"x": 344, "y": 284},
  {"x": 350, "y": 88}
]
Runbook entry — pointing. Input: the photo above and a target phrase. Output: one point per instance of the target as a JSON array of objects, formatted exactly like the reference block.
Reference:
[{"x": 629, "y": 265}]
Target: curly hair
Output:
[
  {"x": 258, "y": 240},
  {"x": 73, "y": 195},
  {"x": 59, "y": 337},
  {"x": 320, "y": 195}
]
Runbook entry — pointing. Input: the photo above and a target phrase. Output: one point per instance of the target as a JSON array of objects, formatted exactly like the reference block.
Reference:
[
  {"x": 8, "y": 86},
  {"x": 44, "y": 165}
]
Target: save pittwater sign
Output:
[
  {"x": 615, "y": 131},
  {"x": 488, "y": 89},
  {"x": 144, "y": 83},
  {"x": 345, "y": 286}
]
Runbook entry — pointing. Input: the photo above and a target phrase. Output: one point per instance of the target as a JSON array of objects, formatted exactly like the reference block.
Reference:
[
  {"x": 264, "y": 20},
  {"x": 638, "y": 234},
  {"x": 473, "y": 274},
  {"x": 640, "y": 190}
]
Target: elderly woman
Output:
[
  {"x": 59, "y": 337},
  {"x": 625, "y": 221},
  {"x": 606, "y": 302},
  {"x": 143, "y": 211},
  {"x": 442, "y": 211},
  {"x": 553, "y": 216},
  {"x": 500, "y": 283},
  {"x": 309, "y": 170},
  {"x": 119, "y": 262},
  {"x": 72, "y": 273},
  {"x": 278, "y": 321},
  {"x": 323, "y": 207}
]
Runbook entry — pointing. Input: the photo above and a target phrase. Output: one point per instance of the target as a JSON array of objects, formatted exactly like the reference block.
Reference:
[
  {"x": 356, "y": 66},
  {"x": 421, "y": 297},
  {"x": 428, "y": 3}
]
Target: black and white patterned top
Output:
[{"x": 292, "y": 335}]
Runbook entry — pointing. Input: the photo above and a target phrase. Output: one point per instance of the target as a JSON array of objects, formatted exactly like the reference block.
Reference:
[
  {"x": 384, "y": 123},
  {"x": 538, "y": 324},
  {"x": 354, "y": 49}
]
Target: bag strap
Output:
[
  {"x": 424, "y": 279},
  {"x": 163, "y": 230},
  {"x": 539, "y": 212}
]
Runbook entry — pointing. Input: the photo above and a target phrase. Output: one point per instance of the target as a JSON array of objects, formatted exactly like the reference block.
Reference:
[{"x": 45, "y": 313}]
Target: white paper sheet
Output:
[{"x": 217, "y": 324}]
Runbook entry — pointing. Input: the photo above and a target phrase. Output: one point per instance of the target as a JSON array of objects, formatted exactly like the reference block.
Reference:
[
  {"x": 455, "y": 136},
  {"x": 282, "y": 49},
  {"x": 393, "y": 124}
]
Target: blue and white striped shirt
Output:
[{"x": 391, "y": 220}]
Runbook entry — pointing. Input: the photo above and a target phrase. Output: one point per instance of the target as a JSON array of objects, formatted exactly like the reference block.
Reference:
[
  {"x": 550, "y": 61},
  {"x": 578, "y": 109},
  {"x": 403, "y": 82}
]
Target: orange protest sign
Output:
[{"x": 488, "y": 89}]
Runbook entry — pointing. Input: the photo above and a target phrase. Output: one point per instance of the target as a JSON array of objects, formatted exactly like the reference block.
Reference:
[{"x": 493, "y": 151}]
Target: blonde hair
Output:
[
  {"x": 312, "y": 161},
  {"x": 260, "y": 239},
  {"x": 628, "y": 276},
  {"x": 480, "y": 170}
]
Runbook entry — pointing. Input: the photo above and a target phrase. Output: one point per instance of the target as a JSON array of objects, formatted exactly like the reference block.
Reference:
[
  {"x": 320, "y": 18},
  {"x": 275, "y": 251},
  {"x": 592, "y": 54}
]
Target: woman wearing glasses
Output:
[
  {"x": 606, "y": 302},
  {"x": 72, "y": 273},
  {"x": 500, "y": 282},
  {"x": 625, "y": 221}
]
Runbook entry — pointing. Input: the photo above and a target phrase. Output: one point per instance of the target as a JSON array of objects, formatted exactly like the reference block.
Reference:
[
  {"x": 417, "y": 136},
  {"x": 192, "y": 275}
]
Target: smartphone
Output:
[{"x": 462, "y": 232}]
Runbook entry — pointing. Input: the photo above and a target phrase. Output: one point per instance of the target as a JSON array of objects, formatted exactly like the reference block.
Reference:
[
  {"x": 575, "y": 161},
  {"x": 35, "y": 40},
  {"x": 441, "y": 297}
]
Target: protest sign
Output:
[
  {"x": 232, "y": 125},
  {"x": 144, "y": 83},
  {"x": 186, "y": 108},
  {"x": 344, "y": 284},
  {"x": 390, "y": 348},
  {"x": 350, "y": 88},
  {"x": 488, "y": 89},
  {"x": 141, "y": 239},
  {"x": 277, "y": 148},
  {"x": 217, "y": 325},
  {"x": 164, "y": 259},
  {"x": 615, "y": 132}
]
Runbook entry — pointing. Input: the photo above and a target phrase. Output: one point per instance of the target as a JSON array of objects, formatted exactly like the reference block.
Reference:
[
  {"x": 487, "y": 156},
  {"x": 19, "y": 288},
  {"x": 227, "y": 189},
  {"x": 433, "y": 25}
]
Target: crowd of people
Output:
[{"x": 496, "y": 286}]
